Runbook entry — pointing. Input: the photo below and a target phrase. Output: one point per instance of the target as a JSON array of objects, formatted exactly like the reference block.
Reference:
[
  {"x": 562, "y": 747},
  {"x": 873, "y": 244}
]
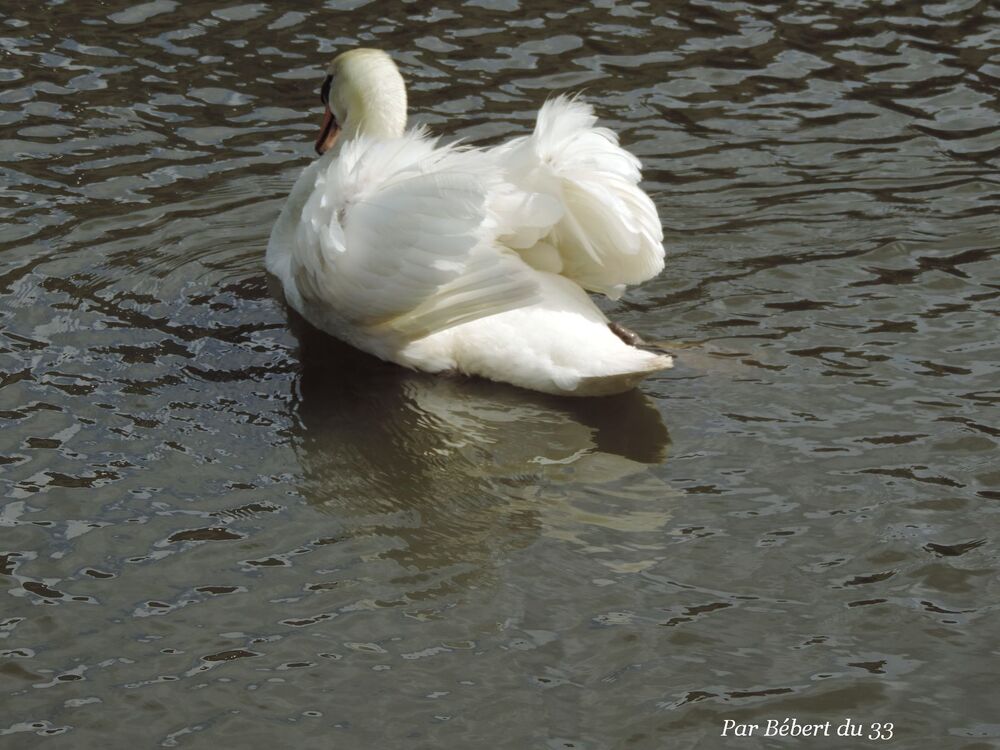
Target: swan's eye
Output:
[{"x": 324, "y": 93}]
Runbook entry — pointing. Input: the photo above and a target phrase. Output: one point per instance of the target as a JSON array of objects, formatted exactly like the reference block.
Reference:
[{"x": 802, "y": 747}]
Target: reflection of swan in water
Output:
[{"x": 453, "y": 471}]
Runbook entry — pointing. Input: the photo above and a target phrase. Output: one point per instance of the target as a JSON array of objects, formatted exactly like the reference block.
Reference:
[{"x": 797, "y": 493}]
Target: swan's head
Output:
[{"x": 363, "y": 93}]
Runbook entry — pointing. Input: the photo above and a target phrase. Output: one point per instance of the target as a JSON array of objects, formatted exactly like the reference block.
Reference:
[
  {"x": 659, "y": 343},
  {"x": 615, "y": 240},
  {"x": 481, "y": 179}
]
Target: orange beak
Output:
[{"x": 328, "y": 132}]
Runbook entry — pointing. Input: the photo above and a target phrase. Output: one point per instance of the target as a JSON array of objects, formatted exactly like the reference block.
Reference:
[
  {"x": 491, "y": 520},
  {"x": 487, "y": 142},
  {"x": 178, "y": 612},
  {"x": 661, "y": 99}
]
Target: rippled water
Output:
[{"x": 223, "y": 529}]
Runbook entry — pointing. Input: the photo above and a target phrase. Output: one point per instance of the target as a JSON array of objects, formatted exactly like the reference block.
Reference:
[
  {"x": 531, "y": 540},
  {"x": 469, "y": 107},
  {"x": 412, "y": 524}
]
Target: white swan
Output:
[{"x": 445, "y": 258}]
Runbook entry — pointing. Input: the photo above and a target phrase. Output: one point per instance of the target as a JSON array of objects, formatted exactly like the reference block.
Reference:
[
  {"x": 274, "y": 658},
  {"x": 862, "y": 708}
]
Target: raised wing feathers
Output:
[
  {"x": 399, "y": 236},
  {"x": 609, "y": 233}
]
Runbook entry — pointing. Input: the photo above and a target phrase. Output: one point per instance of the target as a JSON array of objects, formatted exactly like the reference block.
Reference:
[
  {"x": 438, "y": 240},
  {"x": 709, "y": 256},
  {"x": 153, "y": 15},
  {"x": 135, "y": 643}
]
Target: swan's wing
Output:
[
  {"x": 609, "y": 233},
  {"x": 398, "y": 236}
]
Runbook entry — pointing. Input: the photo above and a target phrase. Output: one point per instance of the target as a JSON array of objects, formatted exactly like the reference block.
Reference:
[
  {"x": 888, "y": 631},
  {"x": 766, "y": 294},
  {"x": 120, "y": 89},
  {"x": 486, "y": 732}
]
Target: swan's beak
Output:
[{"x": 328, "y": 132}]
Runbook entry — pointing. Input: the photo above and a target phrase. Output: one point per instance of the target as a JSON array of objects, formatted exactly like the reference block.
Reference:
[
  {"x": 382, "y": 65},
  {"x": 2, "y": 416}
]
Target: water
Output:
[{"x": 222, "y": 529}]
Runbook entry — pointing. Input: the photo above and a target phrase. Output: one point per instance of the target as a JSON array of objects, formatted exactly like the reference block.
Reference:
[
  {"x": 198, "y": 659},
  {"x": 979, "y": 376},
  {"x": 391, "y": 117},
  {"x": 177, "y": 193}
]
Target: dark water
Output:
[{"x": 223, "y": 530}]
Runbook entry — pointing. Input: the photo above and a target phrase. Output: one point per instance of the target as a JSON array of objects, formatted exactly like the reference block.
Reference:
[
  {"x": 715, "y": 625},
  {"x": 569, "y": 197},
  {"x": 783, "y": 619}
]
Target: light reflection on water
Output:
[{"x": 221, "y": 527}]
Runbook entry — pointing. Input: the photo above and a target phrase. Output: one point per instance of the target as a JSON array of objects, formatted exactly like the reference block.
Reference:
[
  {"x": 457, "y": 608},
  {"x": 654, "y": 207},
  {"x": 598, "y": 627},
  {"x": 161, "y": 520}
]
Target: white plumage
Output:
[{"x": 474, "y": 260}]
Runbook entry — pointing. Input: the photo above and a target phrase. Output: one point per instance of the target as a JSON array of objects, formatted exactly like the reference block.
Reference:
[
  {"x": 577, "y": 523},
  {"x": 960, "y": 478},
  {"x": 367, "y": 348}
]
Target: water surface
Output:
[{"x": 223, "y": 529}]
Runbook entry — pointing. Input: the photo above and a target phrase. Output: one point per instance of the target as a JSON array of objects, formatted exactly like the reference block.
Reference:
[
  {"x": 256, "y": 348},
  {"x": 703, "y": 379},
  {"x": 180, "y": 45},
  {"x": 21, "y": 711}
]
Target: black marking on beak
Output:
[{"x": 324, "y": 93}]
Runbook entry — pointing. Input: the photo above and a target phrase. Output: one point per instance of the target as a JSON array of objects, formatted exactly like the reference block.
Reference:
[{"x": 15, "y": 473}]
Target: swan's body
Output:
[{"x": 452, "y": 259}]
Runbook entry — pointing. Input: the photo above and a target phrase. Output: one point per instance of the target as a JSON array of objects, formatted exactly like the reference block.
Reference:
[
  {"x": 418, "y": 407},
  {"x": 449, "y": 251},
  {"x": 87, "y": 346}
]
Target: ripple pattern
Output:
[{"x": 220, "y": 528}]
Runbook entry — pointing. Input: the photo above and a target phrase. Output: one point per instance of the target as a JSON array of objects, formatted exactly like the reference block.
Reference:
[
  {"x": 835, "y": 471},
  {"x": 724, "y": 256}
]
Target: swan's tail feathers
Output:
[
  {"x": 638, "y": 368},
  {"x": 609, "y": 234}
]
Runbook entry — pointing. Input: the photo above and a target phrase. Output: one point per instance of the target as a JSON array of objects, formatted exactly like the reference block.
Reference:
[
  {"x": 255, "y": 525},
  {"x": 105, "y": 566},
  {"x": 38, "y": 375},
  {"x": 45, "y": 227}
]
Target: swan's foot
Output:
[
  {"x": 632, "y": 338},
  {"x": 628, "y": 336}
]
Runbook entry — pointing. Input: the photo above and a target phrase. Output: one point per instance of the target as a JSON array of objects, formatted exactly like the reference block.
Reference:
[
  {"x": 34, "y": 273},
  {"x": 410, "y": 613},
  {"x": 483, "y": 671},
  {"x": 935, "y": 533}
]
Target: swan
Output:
[{"x": 446, "y": 258}]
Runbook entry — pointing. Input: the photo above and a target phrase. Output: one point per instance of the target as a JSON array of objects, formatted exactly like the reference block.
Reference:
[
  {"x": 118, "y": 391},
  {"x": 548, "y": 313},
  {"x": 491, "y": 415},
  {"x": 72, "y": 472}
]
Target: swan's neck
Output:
[
  {"x": 373, "y": 99},
  {"x": 380, "y": 116}
]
